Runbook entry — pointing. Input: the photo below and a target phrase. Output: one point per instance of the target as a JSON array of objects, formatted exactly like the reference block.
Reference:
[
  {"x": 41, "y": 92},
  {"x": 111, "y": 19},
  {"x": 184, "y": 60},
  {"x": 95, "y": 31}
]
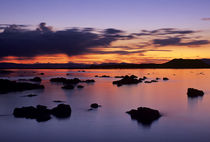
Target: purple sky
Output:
[{"x": 129, "y": 15}]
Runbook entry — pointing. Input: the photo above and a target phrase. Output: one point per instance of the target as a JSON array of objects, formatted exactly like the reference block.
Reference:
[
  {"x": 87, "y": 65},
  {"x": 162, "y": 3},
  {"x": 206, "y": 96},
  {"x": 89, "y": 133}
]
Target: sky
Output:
[{"x": 103, "y": 31}]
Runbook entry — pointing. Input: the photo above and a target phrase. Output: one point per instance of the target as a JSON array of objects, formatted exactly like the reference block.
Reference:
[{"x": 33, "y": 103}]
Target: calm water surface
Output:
[{"x": 184, "y": 119}]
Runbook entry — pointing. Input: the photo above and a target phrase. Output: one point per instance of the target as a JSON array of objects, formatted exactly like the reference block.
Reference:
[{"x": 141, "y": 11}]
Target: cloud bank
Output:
[{"x": 18, "y": 41}]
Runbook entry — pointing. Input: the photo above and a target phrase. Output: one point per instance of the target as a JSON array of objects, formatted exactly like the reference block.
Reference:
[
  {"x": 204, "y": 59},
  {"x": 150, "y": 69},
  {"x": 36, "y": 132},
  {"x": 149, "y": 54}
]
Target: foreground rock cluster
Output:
[
  {"x": 42, "y": 113},
  {"x": 7, "y": 86},
  {"x": 144, "y": 115}
]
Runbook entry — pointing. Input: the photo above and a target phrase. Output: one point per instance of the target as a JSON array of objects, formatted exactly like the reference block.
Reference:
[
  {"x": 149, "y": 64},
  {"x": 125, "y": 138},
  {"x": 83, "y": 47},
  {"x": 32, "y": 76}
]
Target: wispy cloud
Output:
[{"x": 206, "y": 19}]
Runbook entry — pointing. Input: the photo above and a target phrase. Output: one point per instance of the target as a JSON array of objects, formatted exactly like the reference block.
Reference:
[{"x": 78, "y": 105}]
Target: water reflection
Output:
[{"x": 194, "y": 101}]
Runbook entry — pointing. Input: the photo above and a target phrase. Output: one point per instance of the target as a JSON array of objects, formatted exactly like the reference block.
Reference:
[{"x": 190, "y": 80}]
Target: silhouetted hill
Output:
[
  {"x": 186, "y": 63},
  {"x": 175, "y": 63}
]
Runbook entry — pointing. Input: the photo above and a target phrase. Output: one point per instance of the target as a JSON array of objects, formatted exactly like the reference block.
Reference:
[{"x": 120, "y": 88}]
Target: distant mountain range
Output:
[{"x": 175, "y": 63}]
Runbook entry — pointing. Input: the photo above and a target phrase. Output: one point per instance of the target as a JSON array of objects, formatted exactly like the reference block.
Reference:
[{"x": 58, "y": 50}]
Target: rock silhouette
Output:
[
  {"x": 89, "y": 81},
  {"x": 103, "y": 76},
  {"x": 127, "y": 80},
  {"x": 36, "y": 79},
  {"x": 144, "y": 115},
  {"x": 191, "y": 92},
  {"x": 30, "y": 95},
  {"x": 7, "y": 86},
  {"x": 69, "y": 86},
  {"x": 95, "y": 105},
  {"x": 80, "y": 86},
  {"x": 165, "y": 78},
  {"x": 61, "y": 111},
  {"x": 70, "y": 81},
  {"x": 42, "y": 113}
]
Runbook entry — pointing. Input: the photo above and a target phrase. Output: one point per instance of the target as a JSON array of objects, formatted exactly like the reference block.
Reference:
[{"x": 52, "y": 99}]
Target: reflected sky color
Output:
[{"x": 184, "y": 119}]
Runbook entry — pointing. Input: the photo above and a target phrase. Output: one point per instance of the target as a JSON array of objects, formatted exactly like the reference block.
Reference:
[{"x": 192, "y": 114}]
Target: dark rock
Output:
[
  {"x": 5, "y": 72},
  {"x": 58, "y": 101},
  {"x": 191, "y": 92},
  {"x": 30, "y": 95},
  {"x": 72, "y": 81},
  {"x": 7, "y": 86},
  {"x": 61, "y": 111},
  {"x": 82, "y": 71},
  {"x": 95, "y": 105},
  {"x": 36, "y": 79},
  {"x": 22, "y": 79},
  {"x": 154, "y": 81},
  {"x": 89, "y": 81},
  {"x": 65, "y": 81},
  {"x": 165, "y": 78},
  {"x": 103, "y": 76},
  {"x": 80, "y": 86},
  {"x": 157, "y": 78},
  {"x": 42, "y": 73},
  {"x": 147, "y": 82},
  {"x": 59, "y": 79},
  {"x": 127, "y": 80},
  {"x": 41, "y": 113},
  {"x": 69, "y": 86},
  {"x": 144, "y": 115}
]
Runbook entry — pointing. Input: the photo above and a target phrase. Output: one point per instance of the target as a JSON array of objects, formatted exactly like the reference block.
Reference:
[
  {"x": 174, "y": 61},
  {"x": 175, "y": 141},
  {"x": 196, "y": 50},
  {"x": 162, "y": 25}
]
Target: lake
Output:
[{"x": 184, "y": 119}]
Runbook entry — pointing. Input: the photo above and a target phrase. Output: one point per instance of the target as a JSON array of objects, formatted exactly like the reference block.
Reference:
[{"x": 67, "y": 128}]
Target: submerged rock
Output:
[
  {"x": 103, "y": 76},
  {"x": 58, "y": 79},
  {"x": 5, "y": 72},
  {"x": 7, "y": 86},
  {"x": 191, "y": 92},
  {"x": 119, "y": 76},
  {"x": 127, "y": 80},
  {"x": 154, "y": 81},
  {"x": 89, "y": 81},
  {"x": 144, "y": 115},
  {"x": 165, "y": 78},
  {"x": 42, "y": 113},
  {"x": 36, "y": 79},
  {"x": 30, "y": 95},
  {"x": 68, "y": 86},
  {"x": 58, "y": 101},
  {"x": 147, "y": 82},
  {"x": 70, "y": 81},
  {"x": 80, "y": 86}
]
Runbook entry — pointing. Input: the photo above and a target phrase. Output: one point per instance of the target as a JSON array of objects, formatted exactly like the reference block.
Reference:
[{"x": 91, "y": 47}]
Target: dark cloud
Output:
[
  {"x": 164, "y": 31},
  {"x": 113, "y": 31},
  {"x": 17, "y": 42},
  {"x": 178, "y": 42},
  {"x": 43, "y": 28},
  {"x": 12, "y": 27}
]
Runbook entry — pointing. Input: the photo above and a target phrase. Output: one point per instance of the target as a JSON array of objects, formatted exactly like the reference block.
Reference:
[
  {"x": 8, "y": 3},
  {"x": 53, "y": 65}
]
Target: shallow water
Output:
[{"x": 183, "y": 119}]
